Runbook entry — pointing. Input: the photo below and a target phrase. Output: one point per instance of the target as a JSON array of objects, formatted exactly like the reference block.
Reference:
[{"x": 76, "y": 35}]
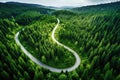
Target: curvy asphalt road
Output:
[{"x": 78, "y": 60}]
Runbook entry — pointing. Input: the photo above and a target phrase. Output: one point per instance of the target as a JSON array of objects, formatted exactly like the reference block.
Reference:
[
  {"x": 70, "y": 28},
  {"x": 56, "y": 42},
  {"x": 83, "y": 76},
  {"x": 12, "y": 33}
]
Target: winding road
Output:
[{"x": 77, "y": 63}]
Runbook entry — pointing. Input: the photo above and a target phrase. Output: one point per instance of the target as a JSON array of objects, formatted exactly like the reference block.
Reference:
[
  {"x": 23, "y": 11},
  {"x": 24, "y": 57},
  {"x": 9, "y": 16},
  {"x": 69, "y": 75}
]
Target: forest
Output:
[{"x": 93, "y": 34}]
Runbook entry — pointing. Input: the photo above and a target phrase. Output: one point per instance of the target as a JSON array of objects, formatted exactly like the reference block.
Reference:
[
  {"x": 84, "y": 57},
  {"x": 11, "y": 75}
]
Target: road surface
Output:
[{"x": 77, "y": 62}]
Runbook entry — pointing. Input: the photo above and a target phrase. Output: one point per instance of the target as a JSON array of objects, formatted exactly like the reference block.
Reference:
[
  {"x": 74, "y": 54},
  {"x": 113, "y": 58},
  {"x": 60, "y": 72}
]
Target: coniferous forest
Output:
[{"x": 93, "y": 32}]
